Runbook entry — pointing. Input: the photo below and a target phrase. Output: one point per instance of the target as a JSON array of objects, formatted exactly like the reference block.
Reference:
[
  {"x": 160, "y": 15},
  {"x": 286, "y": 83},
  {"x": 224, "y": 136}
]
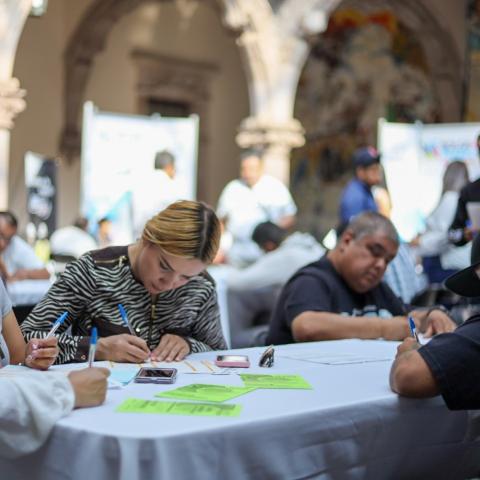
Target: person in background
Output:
[
  {"x": 171, "y": 304},
  {"x": 253, "y": 291},
  {"x": 448, "y": 364},
  {"x": 357, "y": 197},
  {"x": 283, "y": 255},
  {"x": 245, "y": 202},
  {"x": 157, "y": 191},
  {"x": 73, "y": 240},
  {"x": 441, "y": 258},
  {"x": 342, "y": 295},
  {"x": 104, "y": 232},
  {"x": 17, "y": 259},
  {"x": 31, "y": 404},
  {"x": 461, "y": 231}
]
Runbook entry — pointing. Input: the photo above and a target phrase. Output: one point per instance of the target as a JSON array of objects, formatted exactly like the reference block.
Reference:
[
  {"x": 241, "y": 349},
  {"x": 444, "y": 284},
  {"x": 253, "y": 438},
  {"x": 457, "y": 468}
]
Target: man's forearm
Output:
[
  {"x": 312, "y": 326},
  {"x": 410, "y": 376}
]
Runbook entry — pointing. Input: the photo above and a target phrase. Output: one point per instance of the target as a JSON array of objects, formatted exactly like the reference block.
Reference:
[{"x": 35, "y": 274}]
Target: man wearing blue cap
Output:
[
  {"x": 357, "y": 196},
  {"x": 449, "y": 363}
]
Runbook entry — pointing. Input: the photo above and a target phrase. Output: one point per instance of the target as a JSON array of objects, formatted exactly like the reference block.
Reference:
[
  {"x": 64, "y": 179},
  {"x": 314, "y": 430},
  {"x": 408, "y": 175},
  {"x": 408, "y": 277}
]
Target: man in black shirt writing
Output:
[{"x": 342, "y": 294}]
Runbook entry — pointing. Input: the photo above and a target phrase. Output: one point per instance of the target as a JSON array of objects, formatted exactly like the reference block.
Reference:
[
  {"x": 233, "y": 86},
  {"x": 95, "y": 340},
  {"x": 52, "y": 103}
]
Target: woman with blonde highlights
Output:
[{"x": 170, "y": 303}]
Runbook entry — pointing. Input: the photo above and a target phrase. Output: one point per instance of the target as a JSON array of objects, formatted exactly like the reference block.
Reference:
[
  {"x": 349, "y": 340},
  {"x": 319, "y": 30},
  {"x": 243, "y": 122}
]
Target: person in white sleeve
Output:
[
  {"x": 31, "y": 404},
  {"x": 252, "y": 199}
]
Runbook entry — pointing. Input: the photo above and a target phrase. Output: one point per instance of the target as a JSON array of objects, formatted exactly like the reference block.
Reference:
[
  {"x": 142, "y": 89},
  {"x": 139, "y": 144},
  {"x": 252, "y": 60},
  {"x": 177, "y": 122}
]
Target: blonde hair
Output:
[{"x": 185, "y": 229}]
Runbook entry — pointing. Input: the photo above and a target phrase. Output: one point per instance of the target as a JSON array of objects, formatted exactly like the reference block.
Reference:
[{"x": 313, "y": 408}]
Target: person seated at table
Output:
[
  {"x": 253, "y": 291},
  {"x": 38, "y": 354},
  {"x": 17, "y": 258},
  {"x": 171, "y": 304},
  {"x": 31, "y": 404},
  {"x": 448, "y": 364},
  {"x": 342, "y": 295}
]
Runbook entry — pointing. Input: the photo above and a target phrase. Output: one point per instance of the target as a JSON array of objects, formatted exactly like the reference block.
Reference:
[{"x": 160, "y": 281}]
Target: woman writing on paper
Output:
[{"x": 167, "y": 299}]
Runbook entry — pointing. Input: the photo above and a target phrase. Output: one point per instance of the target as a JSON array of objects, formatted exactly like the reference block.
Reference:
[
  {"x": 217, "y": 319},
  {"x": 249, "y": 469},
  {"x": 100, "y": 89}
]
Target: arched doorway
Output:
[{"x": 371, "y": 62}]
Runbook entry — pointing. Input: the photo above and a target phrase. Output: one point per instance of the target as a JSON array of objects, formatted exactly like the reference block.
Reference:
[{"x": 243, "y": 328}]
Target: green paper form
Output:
[
  {"x": 206, "y": 393},
  {"x": 137, "y": 405},
  {"x": 275, "y": 381}
]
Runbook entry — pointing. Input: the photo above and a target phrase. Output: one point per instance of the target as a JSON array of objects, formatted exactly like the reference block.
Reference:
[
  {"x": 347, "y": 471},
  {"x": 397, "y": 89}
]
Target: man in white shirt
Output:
[
  {"x": 155, "y": 191},
  {"x": 32, "y": 403},
  {"x": 17, "y": 258},
  {"x": 73, "y": 240},
  {"x": 248, "y": 201}
]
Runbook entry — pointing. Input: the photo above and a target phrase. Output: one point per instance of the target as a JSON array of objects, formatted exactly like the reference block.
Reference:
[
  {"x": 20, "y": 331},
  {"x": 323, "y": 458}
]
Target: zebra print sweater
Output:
[{"x": 90, "y": 290}]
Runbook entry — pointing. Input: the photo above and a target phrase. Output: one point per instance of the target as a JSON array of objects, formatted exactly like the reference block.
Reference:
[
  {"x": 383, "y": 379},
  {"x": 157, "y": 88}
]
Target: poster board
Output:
[
  {"x": 41, "y": 185},
  {"x": 118, "y": 152},
  {"x": 414, "y": 157}
]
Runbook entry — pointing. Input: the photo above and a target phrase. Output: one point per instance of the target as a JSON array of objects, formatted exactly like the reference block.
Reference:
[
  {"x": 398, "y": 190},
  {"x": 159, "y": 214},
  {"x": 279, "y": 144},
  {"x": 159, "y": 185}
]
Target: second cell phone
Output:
[{"x": 237, "y": 361}]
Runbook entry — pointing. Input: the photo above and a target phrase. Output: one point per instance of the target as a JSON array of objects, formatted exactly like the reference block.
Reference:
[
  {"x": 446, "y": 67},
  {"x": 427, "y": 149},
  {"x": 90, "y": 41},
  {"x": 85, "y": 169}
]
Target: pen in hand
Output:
[
  {"x": 413, "y": 329},
  {"x": 93, "y": 346},
  {"x": 123, "y": 314},
  {"x": 57, "y": 324}
]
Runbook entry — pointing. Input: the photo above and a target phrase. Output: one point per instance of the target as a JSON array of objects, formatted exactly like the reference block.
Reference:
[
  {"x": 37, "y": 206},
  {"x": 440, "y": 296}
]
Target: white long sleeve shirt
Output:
[
  {"x": 30, "y": 405},
  {"x": 435, "y": 242}
]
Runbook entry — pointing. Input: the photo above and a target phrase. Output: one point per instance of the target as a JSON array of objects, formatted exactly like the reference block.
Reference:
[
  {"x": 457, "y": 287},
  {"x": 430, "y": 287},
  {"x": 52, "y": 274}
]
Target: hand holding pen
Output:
[
  {"x": 413, "y": 329},
  {"x": 123, "y": 314}
]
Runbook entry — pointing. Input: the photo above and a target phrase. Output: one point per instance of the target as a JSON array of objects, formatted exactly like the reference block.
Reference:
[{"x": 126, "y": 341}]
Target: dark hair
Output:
[
  {"x": 81, "y": 222},
  {"x": 370, "y": 223},
  {"x": 104, "y": 220},
  {"x": 10, "y": 218},
  {"x": 268, "y": 232},
  {"x": 455, "y": 177},
  {"x": 251, "y": 152},
  {"x": 163, "y": 159}
]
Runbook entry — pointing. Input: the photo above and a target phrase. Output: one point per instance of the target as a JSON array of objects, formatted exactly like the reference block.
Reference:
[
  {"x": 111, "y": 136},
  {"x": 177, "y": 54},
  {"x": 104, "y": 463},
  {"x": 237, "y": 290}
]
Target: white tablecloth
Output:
[{"x": 349, "y": 426}]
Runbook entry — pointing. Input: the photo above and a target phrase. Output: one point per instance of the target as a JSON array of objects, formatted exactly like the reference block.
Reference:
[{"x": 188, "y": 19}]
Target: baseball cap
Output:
[
  {"x": 466, "y": 282},
  {"x": 365, "y": 156}
]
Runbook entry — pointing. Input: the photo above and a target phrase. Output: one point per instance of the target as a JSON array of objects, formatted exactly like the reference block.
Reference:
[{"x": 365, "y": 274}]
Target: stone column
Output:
[
  {"x": 275, "y": 47},
  {"x": 13, "y": 14}
]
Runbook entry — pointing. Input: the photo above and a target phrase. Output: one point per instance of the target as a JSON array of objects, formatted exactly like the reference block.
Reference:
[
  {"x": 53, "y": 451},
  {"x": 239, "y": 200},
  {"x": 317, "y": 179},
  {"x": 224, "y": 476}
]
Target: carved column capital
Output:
[
  {"x": 11, "y": 101},
  {"x": 254, "y": 132}
]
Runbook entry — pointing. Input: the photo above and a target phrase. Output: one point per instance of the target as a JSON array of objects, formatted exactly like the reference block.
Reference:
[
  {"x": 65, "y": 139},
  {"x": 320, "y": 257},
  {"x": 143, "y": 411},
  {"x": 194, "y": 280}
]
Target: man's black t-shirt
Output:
[
  {"x": 454, "y": 359},
  {"x": 318, "y": 287}
]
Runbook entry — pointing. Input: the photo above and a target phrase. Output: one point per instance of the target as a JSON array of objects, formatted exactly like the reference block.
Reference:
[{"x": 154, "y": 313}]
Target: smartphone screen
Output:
[
  {"x": 157, "y": 372},
  {"x": 156, "y": 375}
]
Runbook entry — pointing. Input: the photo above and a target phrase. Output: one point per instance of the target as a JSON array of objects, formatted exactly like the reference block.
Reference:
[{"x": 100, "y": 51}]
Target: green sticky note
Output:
[
  {"x": 137, "y": 405},
  {"x": 275, "y": 381},
  {"x": 205, "y": 393}
]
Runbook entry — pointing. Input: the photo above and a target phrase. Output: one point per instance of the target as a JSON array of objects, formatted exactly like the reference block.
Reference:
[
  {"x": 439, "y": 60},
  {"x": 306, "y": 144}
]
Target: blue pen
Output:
[
  {"x": 93, "y": 346},
  {"x": 123, "y": 314},
  {"x": 413, "y": 329},
  {"x": 57, "y": 323}
]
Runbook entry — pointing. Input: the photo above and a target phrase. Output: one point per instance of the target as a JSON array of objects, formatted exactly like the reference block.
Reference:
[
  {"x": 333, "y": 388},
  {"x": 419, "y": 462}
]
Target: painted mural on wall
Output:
[
  {"x": 363, "y": 67},
  {"x": 472, "y": 107}
]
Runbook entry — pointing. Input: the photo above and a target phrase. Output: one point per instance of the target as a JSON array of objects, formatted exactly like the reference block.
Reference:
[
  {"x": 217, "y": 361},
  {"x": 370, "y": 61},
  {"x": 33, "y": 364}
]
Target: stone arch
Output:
[
  {"x": 87, "y": 41},
  {"x": 444, "y": 59}
]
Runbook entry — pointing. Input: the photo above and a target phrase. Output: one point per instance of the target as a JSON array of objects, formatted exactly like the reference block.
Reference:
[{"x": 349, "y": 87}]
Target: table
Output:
[
  {"x": 349, "y": 426},
  {"x": 27, "y": 292}
]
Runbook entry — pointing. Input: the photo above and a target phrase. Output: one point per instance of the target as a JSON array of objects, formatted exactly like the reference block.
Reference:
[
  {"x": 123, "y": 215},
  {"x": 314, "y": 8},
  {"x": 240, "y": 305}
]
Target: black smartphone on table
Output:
[{"x": 156, "y": 375}]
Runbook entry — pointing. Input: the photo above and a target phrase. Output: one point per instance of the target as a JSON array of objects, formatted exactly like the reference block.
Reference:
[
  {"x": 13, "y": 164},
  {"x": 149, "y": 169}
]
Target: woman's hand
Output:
[
  {"x": 171, "y": 348},
  {"x": 40, "y": 353},
  {"x": 122, "y": 348}
]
